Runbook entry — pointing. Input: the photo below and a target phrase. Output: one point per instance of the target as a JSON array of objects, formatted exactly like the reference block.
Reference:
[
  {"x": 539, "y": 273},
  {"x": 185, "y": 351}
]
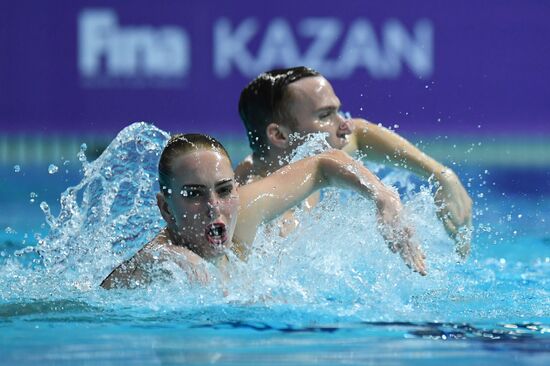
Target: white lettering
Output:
[
  {"x": 325, "y": 33},
  {"x": 231, "y": 47},
  {"x": 417, "y": 52},
  {"x": 94, "y": 27},
  {"x": 278, "y": 48},
  {"x": 106, "y": 49},
  {"x": 361, "y": 48}
]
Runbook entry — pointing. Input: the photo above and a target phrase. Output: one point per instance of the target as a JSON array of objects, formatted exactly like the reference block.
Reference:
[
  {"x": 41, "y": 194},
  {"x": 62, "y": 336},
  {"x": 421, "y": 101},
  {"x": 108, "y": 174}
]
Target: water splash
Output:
[
  {"x": 105, "y": 217},
  {"x": 336, "y": 263}
]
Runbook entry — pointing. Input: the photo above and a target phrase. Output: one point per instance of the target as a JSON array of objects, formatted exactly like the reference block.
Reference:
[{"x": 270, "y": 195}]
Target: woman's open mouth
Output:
[{"x": 216, "y": 233}]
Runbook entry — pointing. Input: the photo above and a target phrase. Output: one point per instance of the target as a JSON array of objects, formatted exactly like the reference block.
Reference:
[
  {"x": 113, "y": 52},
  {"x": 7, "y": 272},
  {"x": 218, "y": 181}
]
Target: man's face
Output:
[
  {"x": 204, "y": 201},
  {"x": 315, "y": 108}
]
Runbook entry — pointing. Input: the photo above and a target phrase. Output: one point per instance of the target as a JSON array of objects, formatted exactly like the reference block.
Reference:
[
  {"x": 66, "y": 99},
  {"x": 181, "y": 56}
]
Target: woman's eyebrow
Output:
[{"x": 224, "y": 182}]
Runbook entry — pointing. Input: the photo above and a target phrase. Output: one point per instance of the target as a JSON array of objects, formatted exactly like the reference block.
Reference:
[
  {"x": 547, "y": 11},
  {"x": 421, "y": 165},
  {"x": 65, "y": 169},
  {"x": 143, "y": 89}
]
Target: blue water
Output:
[{"x": 331, "y": 293}]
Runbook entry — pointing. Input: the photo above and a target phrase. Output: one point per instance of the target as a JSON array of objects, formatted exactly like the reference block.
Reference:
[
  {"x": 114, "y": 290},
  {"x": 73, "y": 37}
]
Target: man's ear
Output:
[
  {"x": 278, "y": 135},
  {"x": 165, "y": 210}
]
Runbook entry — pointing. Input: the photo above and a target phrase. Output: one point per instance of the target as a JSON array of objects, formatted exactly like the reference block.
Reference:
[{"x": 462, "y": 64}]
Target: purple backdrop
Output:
[{"x": 428, "y": 66}]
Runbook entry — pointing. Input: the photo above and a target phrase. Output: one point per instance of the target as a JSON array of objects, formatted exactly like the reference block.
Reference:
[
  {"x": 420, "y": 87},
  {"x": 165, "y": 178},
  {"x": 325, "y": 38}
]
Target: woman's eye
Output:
[
  {"x": 225, "y": 191},
  {"x": 190, "y": 193}
]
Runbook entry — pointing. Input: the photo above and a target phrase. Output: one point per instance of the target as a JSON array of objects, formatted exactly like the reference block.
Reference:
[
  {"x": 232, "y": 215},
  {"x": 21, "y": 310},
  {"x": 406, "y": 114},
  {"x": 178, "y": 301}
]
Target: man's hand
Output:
[
  {"x": 455, "y": 210},
  {"x": 397, "y": 235}
]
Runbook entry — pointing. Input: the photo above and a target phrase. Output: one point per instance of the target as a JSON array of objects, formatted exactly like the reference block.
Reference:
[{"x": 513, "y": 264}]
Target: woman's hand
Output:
[
  {"x": 395, "y": 232},
  {"x": 454, "y": 210}
]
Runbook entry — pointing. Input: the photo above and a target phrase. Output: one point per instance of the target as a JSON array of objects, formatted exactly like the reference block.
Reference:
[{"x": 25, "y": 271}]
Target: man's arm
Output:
[{"x": 454, "y": 203}]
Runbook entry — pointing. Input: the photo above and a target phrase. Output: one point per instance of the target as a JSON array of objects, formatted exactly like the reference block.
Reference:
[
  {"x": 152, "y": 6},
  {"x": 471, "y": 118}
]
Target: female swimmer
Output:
[{"x": 207, "y": 214}]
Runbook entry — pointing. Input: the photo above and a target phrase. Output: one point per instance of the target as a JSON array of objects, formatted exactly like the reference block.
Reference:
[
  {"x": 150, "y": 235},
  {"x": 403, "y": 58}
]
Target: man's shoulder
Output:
[{"x": 245, "y": 171}]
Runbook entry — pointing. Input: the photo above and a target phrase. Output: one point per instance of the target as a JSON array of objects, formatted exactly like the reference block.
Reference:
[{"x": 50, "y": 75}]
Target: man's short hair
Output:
[{"x": 261, "y": 102}]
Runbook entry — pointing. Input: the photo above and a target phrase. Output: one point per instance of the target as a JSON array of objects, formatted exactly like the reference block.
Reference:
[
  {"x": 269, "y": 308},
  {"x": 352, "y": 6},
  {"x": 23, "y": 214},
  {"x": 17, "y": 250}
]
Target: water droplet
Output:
[
  {"x": 10, "y": 230},
  {"x": 17, "y": 168},
  {"x": 108, "y": 173},
  {"x": 81, "y": 154},
  {"x": 52, "y": 169},
  {"x": 480, "y": 195},
  {"x": 33, "y": 196}
]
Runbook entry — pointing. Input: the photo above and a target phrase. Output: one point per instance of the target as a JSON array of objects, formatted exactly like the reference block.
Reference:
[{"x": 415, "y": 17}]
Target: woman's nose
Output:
[{"x": 213, "y": 205}]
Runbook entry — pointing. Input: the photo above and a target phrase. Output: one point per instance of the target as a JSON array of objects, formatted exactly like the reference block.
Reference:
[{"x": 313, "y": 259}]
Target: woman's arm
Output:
[
  {"x": 454, "y": 203},
  {"x": 268, "y": 198}
]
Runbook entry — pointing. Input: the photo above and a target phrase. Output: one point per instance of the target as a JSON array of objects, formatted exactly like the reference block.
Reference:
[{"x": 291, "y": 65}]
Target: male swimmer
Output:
[
  {"x": 298, "y": 101},
  {"x": 206, "y": 213}
]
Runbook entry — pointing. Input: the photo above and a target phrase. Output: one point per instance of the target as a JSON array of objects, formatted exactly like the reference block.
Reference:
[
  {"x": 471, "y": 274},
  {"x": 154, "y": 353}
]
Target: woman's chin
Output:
[{"x": 216, "y": 250}]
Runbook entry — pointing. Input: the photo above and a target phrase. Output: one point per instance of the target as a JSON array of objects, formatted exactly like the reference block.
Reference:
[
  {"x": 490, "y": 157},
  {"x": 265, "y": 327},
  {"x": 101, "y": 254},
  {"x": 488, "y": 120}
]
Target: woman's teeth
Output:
[{"x": 216, "y": 233}]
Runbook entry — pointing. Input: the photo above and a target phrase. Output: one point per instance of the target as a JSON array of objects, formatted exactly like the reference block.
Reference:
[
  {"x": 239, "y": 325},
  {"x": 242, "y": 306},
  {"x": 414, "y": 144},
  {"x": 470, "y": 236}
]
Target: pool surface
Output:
[{"x": 330, "y": 293}]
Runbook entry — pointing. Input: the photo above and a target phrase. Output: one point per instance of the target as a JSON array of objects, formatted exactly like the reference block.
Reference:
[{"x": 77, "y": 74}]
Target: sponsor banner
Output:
[{"x": 426, "y": 66}]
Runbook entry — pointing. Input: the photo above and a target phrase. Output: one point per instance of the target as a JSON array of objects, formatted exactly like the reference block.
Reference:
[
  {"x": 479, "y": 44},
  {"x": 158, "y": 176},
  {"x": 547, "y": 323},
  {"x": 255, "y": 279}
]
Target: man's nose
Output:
[{"x": 346, "y": 126}]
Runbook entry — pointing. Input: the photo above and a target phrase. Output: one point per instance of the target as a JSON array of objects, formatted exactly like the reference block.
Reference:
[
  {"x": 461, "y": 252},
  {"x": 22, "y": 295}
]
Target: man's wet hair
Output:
[
  {"x": 181, "y": 144},
  {"x": 262, "y": 102}
]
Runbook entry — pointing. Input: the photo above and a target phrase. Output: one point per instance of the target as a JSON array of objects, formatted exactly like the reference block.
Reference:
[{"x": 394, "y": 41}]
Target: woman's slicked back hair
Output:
[{"x": 181, "y": 144}]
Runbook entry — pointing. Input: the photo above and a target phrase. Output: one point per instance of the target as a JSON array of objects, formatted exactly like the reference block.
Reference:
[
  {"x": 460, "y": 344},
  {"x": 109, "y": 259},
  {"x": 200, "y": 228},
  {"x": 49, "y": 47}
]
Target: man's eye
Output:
[
  {"x": 326, "y": 114},
  {"x": 190, "y": 193}
]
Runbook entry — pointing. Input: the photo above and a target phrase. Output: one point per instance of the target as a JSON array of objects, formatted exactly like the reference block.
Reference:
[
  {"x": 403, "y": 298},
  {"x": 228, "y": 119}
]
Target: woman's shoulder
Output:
[{"x": 136, "y": 271}]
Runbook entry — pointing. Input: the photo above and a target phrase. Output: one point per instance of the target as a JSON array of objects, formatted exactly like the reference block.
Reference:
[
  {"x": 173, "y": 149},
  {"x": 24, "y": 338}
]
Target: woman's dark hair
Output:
[
  {"x": 261, "y": 102},
  {"x": 181, "y": 144}
]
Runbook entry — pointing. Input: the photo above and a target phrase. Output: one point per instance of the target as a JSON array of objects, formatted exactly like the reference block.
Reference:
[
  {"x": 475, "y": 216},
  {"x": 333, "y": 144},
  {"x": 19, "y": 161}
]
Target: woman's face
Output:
[{"x": 203, "y": 203}]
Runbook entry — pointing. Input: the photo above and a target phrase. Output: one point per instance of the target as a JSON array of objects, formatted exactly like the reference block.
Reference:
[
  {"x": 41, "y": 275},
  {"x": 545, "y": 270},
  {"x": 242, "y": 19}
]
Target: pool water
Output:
[{"x": 330, "y": 293}]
